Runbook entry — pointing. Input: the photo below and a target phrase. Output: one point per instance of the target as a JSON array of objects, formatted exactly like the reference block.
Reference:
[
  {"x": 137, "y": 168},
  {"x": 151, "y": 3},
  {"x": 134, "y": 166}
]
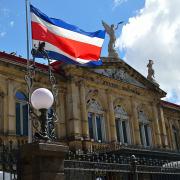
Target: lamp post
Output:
[{"x": 42, "y": 99}]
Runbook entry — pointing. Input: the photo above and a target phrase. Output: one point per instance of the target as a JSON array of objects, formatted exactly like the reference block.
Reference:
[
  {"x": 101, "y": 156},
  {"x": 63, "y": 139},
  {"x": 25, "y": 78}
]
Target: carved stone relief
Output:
[
  {"x": 120, "y": 112},
  {"x": 94, "y": 106},
  {"x": 119, "y": 74}
]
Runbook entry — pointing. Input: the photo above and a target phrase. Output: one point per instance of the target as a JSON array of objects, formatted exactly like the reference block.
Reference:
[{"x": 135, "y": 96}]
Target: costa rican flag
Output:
[{"x": 66, "y": 42}]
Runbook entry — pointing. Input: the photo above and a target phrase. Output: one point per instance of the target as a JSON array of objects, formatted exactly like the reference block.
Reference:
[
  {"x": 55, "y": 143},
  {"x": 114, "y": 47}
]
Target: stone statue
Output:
[
  {"x": 150, "y": 75},
  {"x": 111, "y": 32}
]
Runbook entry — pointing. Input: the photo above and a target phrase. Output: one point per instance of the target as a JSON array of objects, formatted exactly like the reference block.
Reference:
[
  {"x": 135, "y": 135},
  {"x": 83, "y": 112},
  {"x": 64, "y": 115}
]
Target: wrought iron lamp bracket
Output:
[{"x": 43, "y": 124}]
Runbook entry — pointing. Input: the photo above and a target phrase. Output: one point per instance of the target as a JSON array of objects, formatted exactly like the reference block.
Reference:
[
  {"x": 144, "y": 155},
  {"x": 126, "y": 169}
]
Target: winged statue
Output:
[{"x": 112, "y": 38}]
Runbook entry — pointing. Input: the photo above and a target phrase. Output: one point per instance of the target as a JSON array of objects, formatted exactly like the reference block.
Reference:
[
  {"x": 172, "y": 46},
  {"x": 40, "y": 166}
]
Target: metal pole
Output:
[{"x": 28, "y": 64}]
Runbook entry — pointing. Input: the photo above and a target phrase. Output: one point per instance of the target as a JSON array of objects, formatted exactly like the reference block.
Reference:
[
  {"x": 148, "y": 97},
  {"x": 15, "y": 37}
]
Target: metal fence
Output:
[
  {"x": 103, "y": 166},
  {"x": 79, "y": 165}
]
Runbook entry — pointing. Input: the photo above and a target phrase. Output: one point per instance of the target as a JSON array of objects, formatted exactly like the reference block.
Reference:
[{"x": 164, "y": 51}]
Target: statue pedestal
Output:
[{"x": 42, "y": 161}]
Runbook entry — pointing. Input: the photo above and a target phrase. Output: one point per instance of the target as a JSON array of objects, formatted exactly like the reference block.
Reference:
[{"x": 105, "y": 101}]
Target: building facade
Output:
[
  {"x": 109, "y": 104},
  {"x": 102, "y": 108}
]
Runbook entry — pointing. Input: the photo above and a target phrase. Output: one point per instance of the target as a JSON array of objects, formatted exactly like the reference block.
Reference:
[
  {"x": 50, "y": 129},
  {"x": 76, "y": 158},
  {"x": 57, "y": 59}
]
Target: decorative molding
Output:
[
  {"x": 94, "y": 106},
  {"x": 121, "y": 75},
  {"x": 120, "y": 112},
  {"x": 92, "y": 93}
]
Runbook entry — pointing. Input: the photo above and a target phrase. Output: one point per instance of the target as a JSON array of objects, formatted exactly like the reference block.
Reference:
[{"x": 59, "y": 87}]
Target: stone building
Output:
[{"x": 111, "y": 107}]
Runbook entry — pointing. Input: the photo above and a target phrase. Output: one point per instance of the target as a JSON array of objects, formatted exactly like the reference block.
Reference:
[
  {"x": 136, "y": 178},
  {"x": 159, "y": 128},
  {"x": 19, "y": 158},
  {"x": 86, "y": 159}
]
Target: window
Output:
[
  {"x": 175, "y": 136},
  {"x": 21, "y": 114},
  {"x": 96, "y": 121},
  {"x": 144, "y": 129},
  {"x": 122, "y": 125}
]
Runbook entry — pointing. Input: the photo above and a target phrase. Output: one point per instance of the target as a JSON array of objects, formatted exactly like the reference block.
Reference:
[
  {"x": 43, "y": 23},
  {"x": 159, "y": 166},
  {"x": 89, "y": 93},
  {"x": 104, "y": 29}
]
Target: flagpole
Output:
[{"x": 28, "y": 64}]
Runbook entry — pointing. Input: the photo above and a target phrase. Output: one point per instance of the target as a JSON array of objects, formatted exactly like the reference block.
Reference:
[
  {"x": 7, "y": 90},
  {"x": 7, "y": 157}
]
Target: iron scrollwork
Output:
[{"x": 44, "y": 124}]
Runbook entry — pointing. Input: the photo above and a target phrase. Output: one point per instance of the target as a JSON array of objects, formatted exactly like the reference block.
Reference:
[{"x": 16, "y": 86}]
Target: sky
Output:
[{"x": 151, "y": 30}]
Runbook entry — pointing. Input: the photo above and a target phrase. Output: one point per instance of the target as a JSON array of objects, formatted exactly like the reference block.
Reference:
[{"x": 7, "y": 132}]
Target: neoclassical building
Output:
[{"x": 111, "y": 106}]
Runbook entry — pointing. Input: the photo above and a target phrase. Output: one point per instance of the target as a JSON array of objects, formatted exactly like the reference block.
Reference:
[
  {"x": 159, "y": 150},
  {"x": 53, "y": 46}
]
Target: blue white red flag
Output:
[{"x": 65, "y": 42}]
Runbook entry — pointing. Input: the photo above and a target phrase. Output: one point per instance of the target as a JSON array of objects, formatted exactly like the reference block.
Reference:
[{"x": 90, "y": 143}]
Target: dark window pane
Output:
[
  {"x": 124, "y": 132},
  {"x": 146, "y": 134},
  {"x": 20, "y": 96},
  {"x": 140, "y": 131},
  {"x": 25, "y": 120},
  {"x": 90, "y": 125},
  {"x": 18, "y": 120},
  {"x": 99, "y": 130},
  {"x": 117, "y": 130}
]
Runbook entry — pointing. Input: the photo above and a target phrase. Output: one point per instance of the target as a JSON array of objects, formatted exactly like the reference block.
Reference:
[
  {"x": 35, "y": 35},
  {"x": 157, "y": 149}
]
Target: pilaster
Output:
[
  {"x": 72, "y": 110},
  {"x": 164, "y": 133},
  {"x": 135, "y": 121},
  {"x": 84, "y": 115},
  {"x": 112, "y": 123},
  {"x": 156, "y": 123},
  {"x": 11, "y": 109},
  {"x": 61, "y": 124}
]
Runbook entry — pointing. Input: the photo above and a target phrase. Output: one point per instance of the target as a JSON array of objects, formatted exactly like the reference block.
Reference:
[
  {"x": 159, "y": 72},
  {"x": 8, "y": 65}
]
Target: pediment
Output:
[
  {"x": 119, "y": 74},
  {"x": 119, "y": 70}
]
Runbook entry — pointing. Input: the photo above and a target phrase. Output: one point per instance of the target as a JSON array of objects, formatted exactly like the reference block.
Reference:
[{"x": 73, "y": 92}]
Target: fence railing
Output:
[{"x": 79, "y": 164}]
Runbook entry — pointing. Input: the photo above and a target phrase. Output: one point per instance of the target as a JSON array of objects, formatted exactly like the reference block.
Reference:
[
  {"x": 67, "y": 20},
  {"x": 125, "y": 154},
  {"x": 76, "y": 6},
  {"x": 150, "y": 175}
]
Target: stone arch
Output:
[
  {"x": 22, "y": 89},
  {"x": 94, "y": 105},
  {"x": 120, "y": 101},
  {"x": 96, "y": 95},
  {"x": 144, "y": 108}
]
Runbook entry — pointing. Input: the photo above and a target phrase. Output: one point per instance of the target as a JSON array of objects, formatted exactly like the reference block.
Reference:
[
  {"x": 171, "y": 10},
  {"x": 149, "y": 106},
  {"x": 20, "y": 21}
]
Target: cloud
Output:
[
  {"x": 11, "y": 23},
  {"x": 154, "y": 33},
  {"x": 118, "y": 2},
  {"x": 2, "y": 34}
]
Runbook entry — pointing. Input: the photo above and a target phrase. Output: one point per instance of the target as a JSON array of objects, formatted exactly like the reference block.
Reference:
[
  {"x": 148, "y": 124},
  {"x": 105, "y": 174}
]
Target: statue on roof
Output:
[
  {"x": 150, "y": 75},
  {"x": 112, "y": 38}
]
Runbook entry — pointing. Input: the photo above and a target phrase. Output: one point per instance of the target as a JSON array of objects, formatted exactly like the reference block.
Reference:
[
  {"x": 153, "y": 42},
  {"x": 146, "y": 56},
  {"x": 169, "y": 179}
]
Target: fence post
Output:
[
  {"x": 42, "y": 161},
  {"x": 134, "y": 167}
]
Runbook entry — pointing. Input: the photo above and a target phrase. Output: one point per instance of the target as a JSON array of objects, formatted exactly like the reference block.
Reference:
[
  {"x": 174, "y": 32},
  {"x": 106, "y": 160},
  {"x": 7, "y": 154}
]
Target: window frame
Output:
[
  {"x": 144, "y": 135},
  {"x": 22, "y": 114},
  {"x": 96, "y": 110},
  {"x": 120, "y": 117}
]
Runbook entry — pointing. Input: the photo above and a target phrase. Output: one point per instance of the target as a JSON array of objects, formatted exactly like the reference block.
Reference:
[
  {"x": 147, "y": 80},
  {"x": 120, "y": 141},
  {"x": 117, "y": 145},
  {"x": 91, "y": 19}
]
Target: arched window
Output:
[
  {"x": 122, "y": 125},
  {"x": 96, "y": 121},
  {"x": 21, "y": 114},
  {"x": 175, "y": 136},
  {"x": 144, "y": 129}
]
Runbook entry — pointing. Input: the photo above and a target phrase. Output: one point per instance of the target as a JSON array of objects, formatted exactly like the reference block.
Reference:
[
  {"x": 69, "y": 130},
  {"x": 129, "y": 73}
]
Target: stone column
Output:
[
  {"x": 112, "y": 122},
  {"x": 42, "y": 161},
  {"x": 84, "y": 115},
  {"x": 11, "y": 109},
  {"x": 74, "y": 126},
  {"x": 164, "y": 133},
  {"x": 156, "y": 123},
  {"x": 61, "y": 124},
  {"x": 135, "y": 121}
]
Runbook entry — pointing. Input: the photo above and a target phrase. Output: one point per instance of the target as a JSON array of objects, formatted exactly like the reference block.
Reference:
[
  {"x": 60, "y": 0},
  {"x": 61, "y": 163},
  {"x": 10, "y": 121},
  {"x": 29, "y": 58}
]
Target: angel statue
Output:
[{"x": 111, "y": 32}]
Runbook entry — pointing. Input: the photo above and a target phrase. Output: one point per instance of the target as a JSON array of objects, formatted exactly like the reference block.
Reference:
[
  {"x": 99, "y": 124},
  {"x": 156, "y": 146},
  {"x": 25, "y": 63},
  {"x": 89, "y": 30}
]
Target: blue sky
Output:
[
  {"x": 151, "y": 31},
  {"x": 87, "y": 14}
]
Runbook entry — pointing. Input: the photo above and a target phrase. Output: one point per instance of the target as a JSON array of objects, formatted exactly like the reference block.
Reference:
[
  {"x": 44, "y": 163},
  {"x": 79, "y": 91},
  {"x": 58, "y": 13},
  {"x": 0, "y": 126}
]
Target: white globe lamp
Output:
[{"x": 42, "y": 98}]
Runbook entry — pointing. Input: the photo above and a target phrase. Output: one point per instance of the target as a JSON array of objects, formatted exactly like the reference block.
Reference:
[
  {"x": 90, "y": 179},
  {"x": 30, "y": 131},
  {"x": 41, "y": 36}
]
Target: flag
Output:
[{"x": 66, "y": 42}]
